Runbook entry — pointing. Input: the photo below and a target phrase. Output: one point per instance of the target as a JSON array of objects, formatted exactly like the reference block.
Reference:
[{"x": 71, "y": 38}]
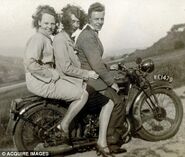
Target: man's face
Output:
[
  {"x": 47, "y": 23},
  {"x": 97, "y": 20},
  {"x": 75, "y": 23}
]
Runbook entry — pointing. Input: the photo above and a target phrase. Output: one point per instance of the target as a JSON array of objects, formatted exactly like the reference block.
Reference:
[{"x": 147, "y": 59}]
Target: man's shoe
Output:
[{"x": 116, "y": 149}]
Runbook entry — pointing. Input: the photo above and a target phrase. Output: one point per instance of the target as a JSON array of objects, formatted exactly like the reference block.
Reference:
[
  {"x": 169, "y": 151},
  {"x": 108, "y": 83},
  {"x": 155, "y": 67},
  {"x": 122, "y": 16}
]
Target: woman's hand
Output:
[
  {"x": 55, "y": 75},
  {"x": 93, "y": 75}
]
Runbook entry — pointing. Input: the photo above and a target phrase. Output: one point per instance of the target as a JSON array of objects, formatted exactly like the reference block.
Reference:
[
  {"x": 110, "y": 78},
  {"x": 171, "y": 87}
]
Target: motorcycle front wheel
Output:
[
  {"x": 32, "y": 130},
  {"x": 164, "y": 125}
]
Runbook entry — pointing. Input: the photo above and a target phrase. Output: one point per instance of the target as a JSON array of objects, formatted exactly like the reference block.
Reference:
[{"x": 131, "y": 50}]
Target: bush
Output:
[
  {"x": 178, "y": 45},
  {"x": 5, "y": 102}
]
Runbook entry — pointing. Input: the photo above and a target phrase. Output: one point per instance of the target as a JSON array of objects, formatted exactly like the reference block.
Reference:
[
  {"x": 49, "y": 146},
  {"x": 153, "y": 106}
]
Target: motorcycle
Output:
[{"x": 153, "y": 112}]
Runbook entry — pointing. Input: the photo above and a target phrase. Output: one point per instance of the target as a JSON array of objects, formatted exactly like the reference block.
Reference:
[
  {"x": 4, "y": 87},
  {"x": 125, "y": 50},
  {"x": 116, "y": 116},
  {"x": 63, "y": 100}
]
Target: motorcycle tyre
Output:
[
  {"x": 145, "y": 135},
  {"x": 17, "y": 137}
]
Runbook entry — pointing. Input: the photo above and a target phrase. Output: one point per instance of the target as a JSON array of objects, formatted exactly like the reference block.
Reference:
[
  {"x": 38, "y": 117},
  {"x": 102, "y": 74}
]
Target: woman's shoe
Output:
[
  {"x": 103, "y": 151},
  {"x": 64, "y": 136},
  {"x": 116, "y": 149}
]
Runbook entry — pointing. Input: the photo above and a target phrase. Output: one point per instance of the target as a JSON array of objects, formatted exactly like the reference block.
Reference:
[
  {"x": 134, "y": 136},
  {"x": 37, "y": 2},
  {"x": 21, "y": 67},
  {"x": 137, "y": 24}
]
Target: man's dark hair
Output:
[
  {"x": 95, "y": 7},
  {"x": 66, "y": 16}
]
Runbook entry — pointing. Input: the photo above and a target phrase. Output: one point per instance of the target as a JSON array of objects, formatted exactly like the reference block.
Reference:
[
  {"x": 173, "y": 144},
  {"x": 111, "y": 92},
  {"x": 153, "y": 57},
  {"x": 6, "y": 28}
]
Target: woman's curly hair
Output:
[
  {"x": 42, "y": 9},
  {"x": 66, "y": 16}
]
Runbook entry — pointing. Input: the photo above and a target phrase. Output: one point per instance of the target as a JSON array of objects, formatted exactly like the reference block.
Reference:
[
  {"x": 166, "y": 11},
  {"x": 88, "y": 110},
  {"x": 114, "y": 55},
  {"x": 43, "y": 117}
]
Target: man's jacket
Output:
[{"x": 90, "y": 51}]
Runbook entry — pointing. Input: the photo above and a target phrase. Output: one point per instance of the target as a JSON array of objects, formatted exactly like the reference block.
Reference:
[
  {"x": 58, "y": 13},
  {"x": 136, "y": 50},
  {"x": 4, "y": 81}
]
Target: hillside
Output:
[
  {"x": 11, "y": 70},
  {"x": 166, "y": 53},
  {"x": 173, "y": 41}
]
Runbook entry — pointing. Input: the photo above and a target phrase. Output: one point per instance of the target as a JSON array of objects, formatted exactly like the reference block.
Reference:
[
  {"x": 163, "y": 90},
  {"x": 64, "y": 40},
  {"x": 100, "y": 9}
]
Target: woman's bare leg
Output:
[
  {"x": 104, "y": 118},
  {"x": 73, "y": 110}
]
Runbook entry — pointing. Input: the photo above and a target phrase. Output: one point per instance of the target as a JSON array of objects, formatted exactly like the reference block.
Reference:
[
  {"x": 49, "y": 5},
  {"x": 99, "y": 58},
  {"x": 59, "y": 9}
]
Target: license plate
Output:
[{"x": 163, "y": 77}]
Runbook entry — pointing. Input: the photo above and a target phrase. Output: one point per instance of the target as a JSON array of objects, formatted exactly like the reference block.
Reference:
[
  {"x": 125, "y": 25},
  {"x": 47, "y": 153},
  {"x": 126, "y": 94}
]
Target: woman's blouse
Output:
[
  {"x": 39, "y": 56},
  {"x": 67, "y": 62}
]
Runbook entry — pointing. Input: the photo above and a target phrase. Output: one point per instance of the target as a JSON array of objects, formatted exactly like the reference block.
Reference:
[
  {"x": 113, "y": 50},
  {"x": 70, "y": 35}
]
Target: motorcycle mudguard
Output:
[
  {"x": 161, "y": 84},
  {"x": 19, "y": 107},
  {"x": 135, "y": 109}
]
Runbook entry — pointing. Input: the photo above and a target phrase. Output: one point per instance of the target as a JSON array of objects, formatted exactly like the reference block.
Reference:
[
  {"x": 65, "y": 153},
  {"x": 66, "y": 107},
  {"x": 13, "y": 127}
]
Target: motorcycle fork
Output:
[{"x": 153, "y": 105}]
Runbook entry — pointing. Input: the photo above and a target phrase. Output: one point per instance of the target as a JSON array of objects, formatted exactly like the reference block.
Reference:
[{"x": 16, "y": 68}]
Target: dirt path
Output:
[
  {"x": 174, "y": 147},
  {"x": 8, "y": 88}
]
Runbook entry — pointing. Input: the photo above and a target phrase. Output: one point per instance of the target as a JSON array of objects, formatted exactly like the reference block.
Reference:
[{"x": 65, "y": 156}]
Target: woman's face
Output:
[
  {"x": 75, "y": 23},
  {"x": 47, "y": 23}
]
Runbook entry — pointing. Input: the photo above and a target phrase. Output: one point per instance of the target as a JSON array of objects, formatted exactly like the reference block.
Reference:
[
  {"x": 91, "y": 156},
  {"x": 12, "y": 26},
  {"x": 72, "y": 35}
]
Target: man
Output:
[{"x": 90, "y": 51}]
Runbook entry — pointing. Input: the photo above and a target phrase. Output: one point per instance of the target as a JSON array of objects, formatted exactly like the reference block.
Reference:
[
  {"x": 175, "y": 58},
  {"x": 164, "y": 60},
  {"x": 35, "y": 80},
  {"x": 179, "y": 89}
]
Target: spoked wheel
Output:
[
  {"x": 165, "y": 121},
  {"x": 37, "y": 127}
]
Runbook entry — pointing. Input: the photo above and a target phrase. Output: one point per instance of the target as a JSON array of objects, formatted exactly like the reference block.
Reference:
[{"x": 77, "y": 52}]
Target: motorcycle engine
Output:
[{"x": 92, "y": 126}]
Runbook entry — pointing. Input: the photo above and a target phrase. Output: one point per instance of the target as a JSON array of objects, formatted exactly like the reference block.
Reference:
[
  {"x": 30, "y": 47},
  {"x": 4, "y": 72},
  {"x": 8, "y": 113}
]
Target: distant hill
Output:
[
  {"x": 117, "y": 54},
  {"x": 168, "y": 54},
  {"x": 11, "y": 70},
  {"x": 12, "y": 51},
  {"x": 174, "y": 40}
]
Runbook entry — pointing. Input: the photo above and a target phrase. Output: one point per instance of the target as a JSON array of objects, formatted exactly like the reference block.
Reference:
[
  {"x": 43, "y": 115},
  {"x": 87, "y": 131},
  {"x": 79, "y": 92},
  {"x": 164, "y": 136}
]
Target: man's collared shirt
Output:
[{"x": 76, "y": 34}]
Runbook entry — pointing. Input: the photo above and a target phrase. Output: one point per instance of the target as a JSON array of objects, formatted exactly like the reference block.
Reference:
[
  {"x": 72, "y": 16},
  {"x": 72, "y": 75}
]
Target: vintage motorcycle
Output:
[{"x": 153, "y": 112}]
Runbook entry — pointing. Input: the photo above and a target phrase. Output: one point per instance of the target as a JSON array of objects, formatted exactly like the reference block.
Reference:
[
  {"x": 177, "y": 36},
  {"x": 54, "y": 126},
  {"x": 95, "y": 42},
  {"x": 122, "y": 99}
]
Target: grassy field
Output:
[
  {"x": 172, "y": 64},
  {"x": 5, "y": 101}
]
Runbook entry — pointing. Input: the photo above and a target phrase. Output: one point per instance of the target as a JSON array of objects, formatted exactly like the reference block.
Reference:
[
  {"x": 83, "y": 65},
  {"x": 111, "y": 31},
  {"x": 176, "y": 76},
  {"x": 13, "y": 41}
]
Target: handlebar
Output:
[
  {"x": 135, "y": 74},
  {"x": 126, "y": 69},
  {"x": 142, "y": 69}
]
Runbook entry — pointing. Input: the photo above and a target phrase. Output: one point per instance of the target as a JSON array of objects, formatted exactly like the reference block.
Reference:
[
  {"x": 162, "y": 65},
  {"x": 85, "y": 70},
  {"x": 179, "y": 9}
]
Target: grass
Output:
[{"x": 172, "y": 64}]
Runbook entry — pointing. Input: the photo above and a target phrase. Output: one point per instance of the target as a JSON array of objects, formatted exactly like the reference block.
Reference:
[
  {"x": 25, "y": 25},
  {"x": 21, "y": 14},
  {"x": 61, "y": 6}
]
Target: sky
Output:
[{"x": 129, "y": 24}]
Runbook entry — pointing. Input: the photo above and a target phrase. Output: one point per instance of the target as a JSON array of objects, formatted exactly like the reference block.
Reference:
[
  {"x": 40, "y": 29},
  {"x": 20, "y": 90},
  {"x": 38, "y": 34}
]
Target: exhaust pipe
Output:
[{"x": 59, "y": 149}]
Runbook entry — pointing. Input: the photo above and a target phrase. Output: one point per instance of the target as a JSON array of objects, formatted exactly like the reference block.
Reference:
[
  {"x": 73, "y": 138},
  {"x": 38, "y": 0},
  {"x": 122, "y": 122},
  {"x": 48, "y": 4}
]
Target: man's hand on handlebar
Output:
[{"x": 115, "y": 87}]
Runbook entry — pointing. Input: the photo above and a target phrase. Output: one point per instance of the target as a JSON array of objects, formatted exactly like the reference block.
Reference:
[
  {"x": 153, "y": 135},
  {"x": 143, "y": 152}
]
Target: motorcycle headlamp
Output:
[{"x": 147, "y": 66}]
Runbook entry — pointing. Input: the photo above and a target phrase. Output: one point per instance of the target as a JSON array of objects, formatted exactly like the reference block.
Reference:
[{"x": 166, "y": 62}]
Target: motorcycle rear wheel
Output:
[
  {"x": 166, "y": 126},
  {"x": 27, "y": 136}
]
